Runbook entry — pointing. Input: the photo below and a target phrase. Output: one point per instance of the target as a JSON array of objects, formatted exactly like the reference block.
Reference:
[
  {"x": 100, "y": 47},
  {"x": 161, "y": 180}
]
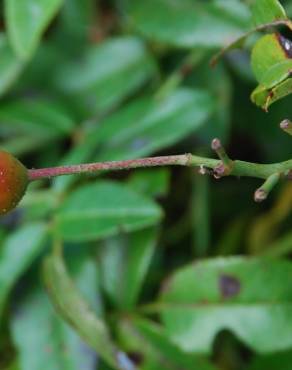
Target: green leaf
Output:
[
  {"x": 124, "y": 262},
  {"x": 272, "y": 65},
  {"x": 279, "y": 92},
  {"x": 149, "y": 342},
  {"x": 77, "y": 18},
  {"x": 269, "y": 60},
  {"x": 148, "y": 125},
  {"x": 21, "y": 145},
  {"x": 186, "y": 23},
  {"x": 265, "y": 98},
  {"x": 41, "y": 70},
  {"x": 10, "y": 66},
  {"x": 152, "y": 182},
  {"x": 106, "y": 73},
  {"x": 103, "y": 209},
  {"x": 267, "y": 11},
  {"x": 277, "y": 74},
  {"x": 17, "y": 252},
  {"x": 260, "y": 96},
  {"x": 44, "y": 120},
  {"x": 26, "y": 21},
  {"x": 75, "y": 311},
  {"x": 42, "y": 338},
  {"x": 143, "y": 127},
  {"x": 38, "y": 204},
  {"x": 246, "y": 296}
]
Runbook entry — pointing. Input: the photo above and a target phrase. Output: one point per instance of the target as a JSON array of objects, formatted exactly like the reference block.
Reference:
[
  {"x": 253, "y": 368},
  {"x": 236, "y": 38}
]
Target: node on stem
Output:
[{"x": 226, "y": 165}]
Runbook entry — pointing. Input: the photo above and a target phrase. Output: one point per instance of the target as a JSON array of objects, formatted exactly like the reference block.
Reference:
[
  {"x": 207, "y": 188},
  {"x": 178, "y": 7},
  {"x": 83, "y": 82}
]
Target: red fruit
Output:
[{"x": 13, "y": 181}]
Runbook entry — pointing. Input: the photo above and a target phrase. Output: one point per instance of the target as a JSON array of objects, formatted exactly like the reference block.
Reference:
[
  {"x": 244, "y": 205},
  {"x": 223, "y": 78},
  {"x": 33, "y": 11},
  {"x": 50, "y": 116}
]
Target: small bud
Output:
[
  {"x": 260, "y": 195},
  {"x": 263, "y": 192},
  {"x": 286, "y": 125},
  {"x": 216, "y": 144}
]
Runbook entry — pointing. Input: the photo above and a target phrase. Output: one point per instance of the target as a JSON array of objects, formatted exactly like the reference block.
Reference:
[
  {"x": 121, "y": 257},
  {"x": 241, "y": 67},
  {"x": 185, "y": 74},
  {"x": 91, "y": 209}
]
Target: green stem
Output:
[{"x": 225, "y": 168}]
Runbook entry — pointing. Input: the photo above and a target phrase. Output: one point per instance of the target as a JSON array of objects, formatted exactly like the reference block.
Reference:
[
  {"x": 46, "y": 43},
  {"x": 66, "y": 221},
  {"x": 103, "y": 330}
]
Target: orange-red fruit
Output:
[{"x": 13, "y": 181}]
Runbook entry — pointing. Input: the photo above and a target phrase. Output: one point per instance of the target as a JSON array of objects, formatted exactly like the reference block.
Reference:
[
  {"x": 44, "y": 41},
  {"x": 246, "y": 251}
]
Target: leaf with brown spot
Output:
[{"x": 257, "y": 306}]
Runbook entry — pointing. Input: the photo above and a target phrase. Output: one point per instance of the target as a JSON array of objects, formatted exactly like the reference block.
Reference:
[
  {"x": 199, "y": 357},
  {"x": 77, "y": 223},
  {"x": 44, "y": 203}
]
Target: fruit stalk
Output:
[{"x": 170, "y": 160}]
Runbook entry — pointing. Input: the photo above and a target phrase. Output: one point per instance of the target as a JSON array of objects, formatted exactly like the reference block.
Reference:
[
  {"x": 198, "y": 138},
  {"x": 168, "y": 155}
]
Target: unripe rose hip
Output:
[{"x": 13, "y": 181}]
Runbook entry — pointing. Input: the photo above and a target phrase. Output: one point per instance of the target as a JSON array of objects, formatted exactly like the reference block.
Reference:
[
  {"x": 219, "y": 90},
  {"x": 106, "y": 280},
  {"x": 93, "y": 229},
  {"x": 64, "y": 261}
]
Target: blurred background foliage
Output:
[{"x": 116, "y": 79}]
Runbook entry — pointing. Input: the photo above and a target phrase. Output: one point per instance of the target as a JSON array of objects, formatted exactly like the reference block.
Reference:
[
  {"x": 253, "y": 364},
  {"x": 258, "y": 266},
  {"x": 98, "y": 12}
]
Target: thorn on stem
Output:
[
  {"x": 216, "y": 145},
  {"x": 286, "y": 125},
  {"x": 224, "y": 168}
]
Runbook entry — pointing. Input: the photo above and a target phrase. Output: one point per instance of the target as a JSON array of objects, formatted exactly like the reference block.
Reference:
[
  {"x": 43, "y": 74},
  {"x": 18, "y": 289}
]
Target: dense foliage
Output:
[{"x": 150, "y": 268}]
